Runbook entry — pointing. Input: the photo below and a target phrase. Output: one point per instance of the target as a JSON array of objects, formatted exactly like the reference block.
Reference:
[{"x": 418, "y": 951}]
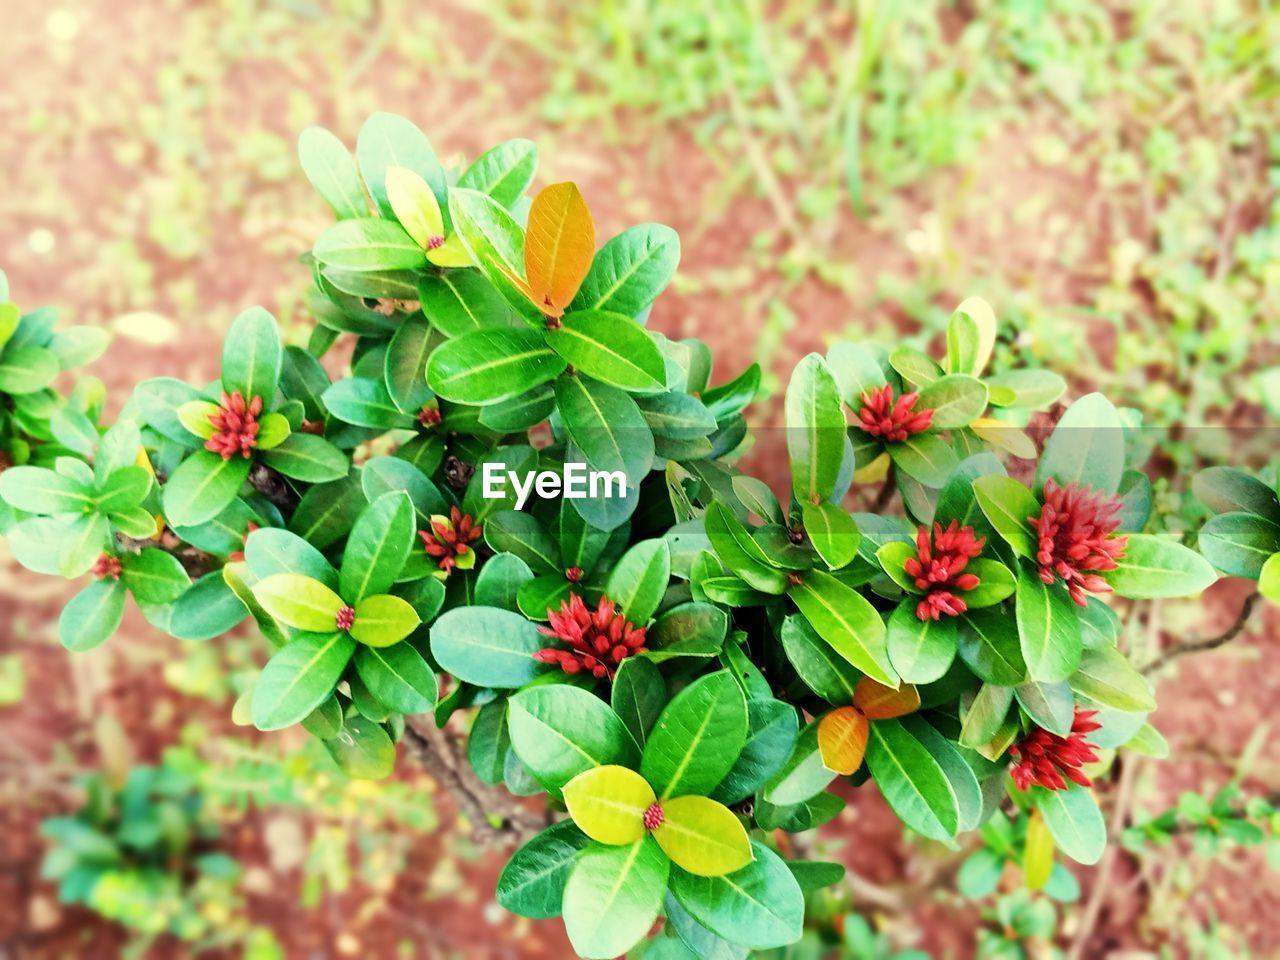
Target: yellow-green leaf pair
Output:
[
  {"x": 197, "y": 417},
  {"x": 306, "y": 604},
  {"x": 418, "y": 210},
  {"x": 609, "y": 804}
]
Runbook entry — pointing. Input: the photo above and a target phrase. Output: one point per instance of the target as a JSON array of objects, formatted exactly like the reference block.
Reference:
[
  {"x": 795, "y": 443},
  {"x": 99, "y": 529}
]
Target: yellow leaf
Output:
[
  {"x": 451, "y": 253},
  {"x": 842, "y": 740},
  {"x": 559, "y": 244},
  {"x": 875, "y": 471},
  {"x": 1037, "y": 857},
  {"x": 415, "y": 206},
  {"x": 1005, "y": 436},
  {"x": 878, "y": 702},
  {"x": 702, "y": 836},
  {"x": 608, "y": 803}
]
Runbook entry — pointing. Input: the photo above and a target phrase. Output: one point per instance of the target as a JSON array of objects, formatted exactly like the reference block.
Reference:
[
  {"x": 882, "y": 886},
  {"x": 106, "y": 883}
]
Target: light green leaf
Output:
[
  {"x": 298, "y": 678},
  {"x": 847, "y": 621},
  {"x": 815, "y": 430}
]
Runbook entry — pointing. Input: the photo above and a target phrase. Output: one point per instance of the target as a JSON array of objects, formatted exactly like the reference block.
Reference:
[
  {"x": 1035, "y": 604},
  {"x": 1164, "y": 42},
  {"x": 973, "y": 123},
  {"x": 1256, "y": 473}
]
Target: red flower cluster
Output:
[
  {"x": 653, "y": 816},
  {"x": 892, "y": 420},
  {"x": 345, "y": 619},
  {"x": 598, "y": 641},
  {"x": 107, "y": 567},
  {"x": 1074, "y": 529},
  {"x": 236, "y": 426},
  {"x": 429, "y": 417},
  {"x": 448, "y": 539},
  {"x": 937, "y": 568},
  {"x": 1042, "y": 758}
]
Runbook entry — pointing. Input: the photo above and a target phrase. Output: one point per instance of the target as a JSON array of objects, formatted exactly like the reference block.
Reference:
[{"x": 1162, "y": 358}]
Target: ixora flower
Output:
[
  {"x": 598, "y": 640},
  {"x": 616, "y": 806},
  {"x": 843, "y": 733},
  {"x": 939, "y": 568},
  {"x": 1042, "y": 758},
  {"x": 1076, "y": 539},
  {"x": 890, "y": 419},
  {"x": 449, "y": 541},
  {"x": 107, "y": 567}
]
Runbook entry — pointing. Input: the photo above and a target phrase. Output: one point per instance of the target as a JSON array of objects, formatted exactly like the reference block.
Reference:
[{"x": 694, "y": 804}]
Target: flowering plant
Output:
[{"x": 683, "y": 669}]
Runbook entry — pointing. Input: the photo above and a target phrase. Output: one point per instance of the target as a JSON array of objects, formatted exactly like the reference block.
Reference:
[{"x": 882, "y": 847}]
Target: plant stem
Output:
[{"x": 1210, "y": 643}]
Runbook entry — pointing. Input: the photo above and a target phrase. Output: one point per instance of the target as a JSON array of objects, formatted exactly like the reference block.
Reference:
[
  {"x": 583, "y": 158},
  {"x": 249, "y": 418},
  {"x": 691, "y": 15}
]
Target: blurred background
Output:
[{"x": 1104, "y": 173}]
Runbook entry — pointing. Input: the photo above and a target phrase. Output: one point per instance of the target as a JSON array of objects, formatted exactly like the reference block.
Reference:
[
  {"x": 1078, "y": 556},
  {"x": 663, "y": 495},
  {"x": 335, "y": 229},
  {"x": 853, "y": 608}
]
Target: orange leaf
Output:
[
  {"x": 842, "y": 739},
  {"x": 879, "y": 702},
  {"x": 559, "y": 245}
]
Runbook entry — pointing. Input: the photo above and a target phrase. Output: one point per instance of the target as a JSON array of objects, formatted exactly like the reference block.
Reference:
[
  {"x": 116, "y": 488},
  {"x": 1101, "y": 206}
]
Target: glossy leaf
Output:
[
  {"x": 760, "y": 906},
  {"x": 532, "y": 883},
  {"x": 487, "y": 366},
  {"x": 487, "y": 646},
  {"x": 1156, "y": 566},
  {"x": 607, "y": 426},
  {"x": 299, "y": 601},
  {"x": 639, "y": 580},
  {"x": 920, "y": 651},
  {"x": 329, "y": 166},
  {"x": 613, "y": 896},
  {"x": 1048, "y": 628},
  {"x": 833, "y": 533},
  {"x": 559, "y": 731},
  {"x": 697, "y": 737},
  {"x": 377, "y": 548},
  {"x": 559, "y": 244},
  {"x": 202, "y": 487},
  {"x": 503, "y": 172},
  {"x": 383, "y": 620},
  {"x": 92, "y": 615},
  {"x": 1086, "y": 447},
  {"x": 702, "y": 837},
  {"x": 912, "y": 781},
  {"x": 608, "y": 803},
  {"x": 815, "y": 430},
  {"x": 847, "y": 621},
  {"x": 610, "y": 347},
  {"x": 1073, "y": 817},
  {"x": 630, "y": 270},
  {"x": 298, "y": 678}
]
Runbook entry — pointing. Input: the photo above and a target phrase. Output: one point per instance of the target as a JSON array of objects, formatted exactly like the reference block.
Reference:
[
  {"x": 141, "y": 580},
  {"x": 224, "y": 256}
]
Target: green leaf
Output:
[
  {"x": 825, "y": 672},
  {"x": 1007, "y": 504},
  {"x": 912, "y": 781},
  {"x": 803, "y": 776},
  {"x": 996, "y": 583},
  {"x": 608, "y": 803},
  {"x": 845, "y": 620},
  {"x": 325, "y": 721},
  {"x": 859, "y": 368},
  {"x": 833, "y": 533},
  {"x": 630, "y": 270},
  {"x": 1107, "y": 678},
  {"x": 959, "y": 774},
  {"x": 610, "y": 347},
  {"x": 1239, "y": 544},
  {"x": 252, "y": 356},
  {"x": 487, "y": 366},
  {"x": 559, "y": 731},
  {"x": 326, "y": 511},
  {"x": 154, "y": 576},
  {"x": 367, "y": 245},
  {"x": 1086, "y": 447},
  {"x": 500, "y": 581},
  {"x": 37, "y": 490},
  {"x": 299, "y": 601},
  {"x": 328, "y": 164},
  {"x": 1156, "y": 566},
  {"x": 398, "y": 676},
  {"x": 956, "y": 400},
  {"x": 914, "y": 366},
  {"x": 74, "y": 431},
  {"x": 26, "y": 370},
  {"x": 1269, "y": 579},
  {"x": 202, "y": 487},
  {"x": 971, "y": 336},
  {"x": 503, "y": 172},
  {"x": 383, "y": 621},
  {"x": 607, "y": 426},
  {"x": 270, "y": 551},
  {"x": 687, "y": 630},
  {"x": 1048, "y": 628},
  {"x": 613, "y": 896},
  {"x": 924, "y": 457},
  {"x": 306, "y": 457},
  {"x": 639, "y": 694},
  {"x": 406, "y": 367},
  {"x": 486, "y": 646},
  {"x": 365, "y": 403},
  {"x": 1050, "y": 705},
  {"x": 760, "y": 906},
  {"x": 462, "y": 301},
  {"x": 496, "y": 244},
  {"x": 522, "y": 534},
  {"x": 733, "y": 397},
  {"x": 702, "y": 837},
  {"x": 82, "y": 544},
  {"x": 740, "y": 553},
  {"x": 990, "y": 646},
  {"x": 378, "y": 547},
  {"x": 298, "y": 678},
  {"x": 921, "y": 651},
  {"x": 384, "y": 475},
  {"x": 92, "y": 615},
  {"x": 387, "y": 141},
  {"x": 1231, "y": 490},
  {"x": 815, "y": 430},
  {"x": 210, "y": 608},
  {"x": 532, "y": 883},
  {"x": 362, "y": 749},
  {"x": 697, "y": 738},
  {"x": 639, "y": 579},
  {"x": 982, "y": 720},
  {"x": 1073, "y": 817},
  {"x": 1025, "y": 388},
  {"x": 772, "y": 728}
]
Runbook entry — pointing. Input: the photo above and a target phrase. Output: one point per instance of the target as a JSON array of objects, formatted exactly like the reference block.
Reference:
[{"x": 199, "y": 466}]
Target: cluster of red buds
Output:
[
  {"x": 892, "y": 420},
  {"x": 598, "y": 640},
  {"x": 107, "y": 567},
  {"x": 236, "y": 426},
  {"x": 345, "y": 618},
  {"x": 1075, "y": 538},
  {"x": 449, "y": 540},
  {"x": 938, "y": 568},
  {"x": 1042, "y": 758}
]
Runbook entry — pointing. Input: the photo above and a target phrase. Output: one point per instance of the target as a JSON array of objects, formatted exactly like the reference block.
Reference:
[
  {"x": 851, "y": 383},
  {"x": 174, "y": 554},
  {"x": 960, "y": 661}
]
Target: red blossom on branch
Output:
[
  {"x": 598, "y": 640},
  {"x": 345, "y": 618},
  {"x": 1043, "y": 758},
  {"x": 938, "y": 568},
  {"x": 107, "y": 567},
  {"x": 1075, "y": 530},
  {"x": 892, "y": 420},
  {"x": 236, "y": 426},
  {"x": 449, "y": 539}
]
